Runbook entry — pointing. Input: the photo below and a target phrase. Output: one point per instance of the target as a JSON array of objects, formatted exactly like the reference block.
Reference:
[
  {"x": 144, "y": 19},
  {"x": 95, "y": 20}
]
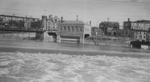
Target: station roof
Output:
[
  {"x": 142, "y": 21},
  {"x": 72, "y": 22}
]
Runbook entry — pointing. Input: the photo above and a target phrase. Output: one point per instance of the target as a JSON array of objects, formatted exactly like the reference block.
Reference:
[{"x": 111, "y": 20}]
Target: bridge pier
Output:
[
  {"x": 81, "y": 40},
  {"x": 58, "y": 39},
  {"x": 39, "y": 35},
  {"x": 44, "y": 36}
]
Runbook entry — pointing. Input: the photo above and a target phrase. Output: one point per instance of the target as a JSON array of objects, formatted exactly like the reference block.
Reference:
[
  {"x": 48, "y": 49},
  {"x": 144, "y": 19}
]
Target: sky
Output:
[{"x": 87, "y": 10}]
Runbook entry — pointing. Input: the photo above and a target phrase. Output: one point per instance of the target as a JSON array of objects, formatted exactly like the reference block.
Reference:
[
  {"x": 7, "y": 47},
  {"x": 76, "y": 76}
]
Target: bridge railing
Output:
[{"x": 21, "y": 30}]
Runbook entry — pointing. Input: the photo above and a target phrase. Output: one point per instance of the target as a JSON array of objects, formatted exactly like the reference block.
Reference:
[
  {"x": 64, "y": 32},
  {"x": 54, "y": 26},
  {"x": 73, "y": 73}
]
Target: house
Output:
[{"x": 109, "y": 28}]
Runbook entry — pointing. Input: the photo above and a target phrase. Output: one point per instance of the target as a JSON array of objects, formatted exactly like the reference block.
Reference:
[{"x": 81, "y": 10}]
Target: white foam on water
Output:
[
  {"x": 3, "y": 71},
  {"x": 4, "y": 63},
  {"x": 74, "y": 68}
]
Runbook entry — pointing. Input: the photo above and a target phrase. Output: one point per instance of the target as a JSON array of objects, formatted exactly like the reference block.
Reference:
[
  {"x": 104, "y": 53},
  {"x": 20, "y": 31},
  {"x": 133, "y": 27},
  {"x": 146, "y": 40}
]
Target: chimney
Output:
[
  {"x": 50, "y": 16},
  {"x": 90, "y": 22},
  {"x": 44, "y": 17},
  {"x": 128, "y": 19},
  {"x": 61, "y": 20},
  {"x": 44, "y": 22},
  {"x": 77, "y": 17},
  {"x": 108, "y": 19}
]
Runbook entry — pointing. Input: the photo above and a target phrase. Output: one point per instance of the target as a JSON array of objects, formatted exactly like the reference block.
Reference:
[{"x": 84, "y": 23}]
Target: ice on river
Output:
[{"x": 38, "y": 67}]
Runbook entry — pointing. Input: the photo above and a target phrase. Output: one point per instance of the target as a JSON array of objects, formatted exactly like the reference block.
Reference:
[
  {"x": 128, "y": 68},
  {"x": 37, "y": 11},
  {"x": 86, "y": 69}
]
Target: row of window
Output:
[
  {"x": 72, "y": 28},
  {"x": 140, "y": 36},
  {"x": 142, "y": 33},
  {"x": 141, "y": 26}
]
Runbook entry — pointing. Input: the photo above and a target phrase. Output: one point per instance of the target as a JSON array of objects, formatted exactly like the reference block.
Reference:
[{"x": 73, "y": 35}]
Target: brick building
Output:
[
  {"x": 126, "y": 31},
  {"x": 127, "y": 24},
  {"x": 109, "y": 28},
  {"x": 141, "y": 29}
]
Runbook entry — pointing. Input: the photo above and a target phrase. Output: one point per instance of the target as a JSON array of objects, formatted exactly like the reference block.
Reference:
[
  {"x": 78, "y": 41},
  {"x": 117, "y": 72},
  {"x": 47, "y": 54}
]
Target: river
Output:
[
  {"x": 33, "y": 61},
  {"x": 40, "y": 67}
]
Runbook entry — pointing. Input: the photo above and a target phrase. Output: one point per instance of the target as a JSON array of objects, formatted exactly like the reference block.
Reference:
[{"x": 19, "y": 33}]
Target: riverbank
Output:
[{"x": 70, "y": 49}]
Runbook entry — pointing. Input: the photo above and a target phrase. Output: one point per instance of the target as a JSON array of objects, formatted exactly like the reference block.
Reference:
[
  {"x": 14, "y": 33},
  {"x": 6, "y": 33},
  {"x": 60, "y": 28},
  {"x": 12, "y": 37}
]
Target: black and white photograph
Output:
[{"x": 74, "y": 40}]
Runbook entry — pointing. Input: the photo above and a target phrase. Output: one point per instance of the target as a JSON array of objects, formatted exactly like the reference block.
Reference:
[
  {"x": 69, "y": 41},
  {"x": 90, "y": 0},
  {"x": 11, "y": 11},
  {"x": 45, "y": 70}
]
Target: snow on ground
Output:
[{"x": 38, "y": 67}]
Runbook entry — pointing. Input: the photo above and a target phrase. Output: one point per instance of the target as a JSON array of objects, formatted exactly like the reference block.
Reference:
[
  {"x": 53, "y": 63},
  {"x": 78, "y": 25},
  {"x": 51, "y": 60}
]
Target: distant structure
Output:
[
  {"x": 50, "y": 26},
  {"x": 96, "y": 32},
  {"x": 126, "y": 31},
  {"x": 113, "y": 29},
  {"x": 16, "y": 22},
  {"x": 127, "y": 25},
  {"x": 61, "y": 29},
  {"x": 50, "y": 23},
  {"x": 73, "y": 29},
  {"x": 109, "y": 28},
  {"x": 141, "y": 30}
]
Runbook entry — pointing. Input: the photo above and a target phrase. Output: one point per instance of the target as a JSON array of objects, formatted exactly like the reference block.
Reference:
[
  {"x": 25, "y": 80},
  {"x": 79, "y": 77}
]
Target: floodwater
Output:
[
  {"x": 41, "y": 67},
  {"x": 38, "y": 67}
]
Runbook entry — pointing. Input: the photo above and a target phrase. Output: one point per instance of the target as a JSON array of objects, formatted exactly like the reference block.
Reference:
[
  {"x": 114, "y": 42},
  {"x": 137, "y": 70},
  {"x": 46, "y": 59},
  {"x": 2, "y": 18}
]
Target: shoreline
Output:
[
  {"x": 76, "y": 52},
  {"x": 29, "y": 46}
]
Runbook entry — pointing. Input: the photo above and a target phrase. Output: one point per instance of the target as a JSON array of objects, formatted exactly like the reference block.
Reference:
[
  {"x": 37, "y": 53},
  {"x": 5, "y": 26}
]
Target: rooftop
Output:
[
  {"x": 142, "y": 21},
  {"x": 72, "y": 22}
]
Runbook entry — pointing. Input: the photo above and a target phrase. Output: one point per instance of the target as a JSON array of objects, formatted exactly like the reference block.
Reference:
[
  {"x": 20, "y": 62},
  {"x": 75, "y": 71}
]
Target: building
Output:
[
  {"x": 127, "y": 25},
  {"x": 50, "y": 26},
  {"x": 50, "y": 23},
  {"x": 109, "y": 28},
  {"x": 73, "y": 29},
  {"x": 95, "y": 31},
  {"x": 141, "y": 30},
  {"x": 126, "y": 31}
]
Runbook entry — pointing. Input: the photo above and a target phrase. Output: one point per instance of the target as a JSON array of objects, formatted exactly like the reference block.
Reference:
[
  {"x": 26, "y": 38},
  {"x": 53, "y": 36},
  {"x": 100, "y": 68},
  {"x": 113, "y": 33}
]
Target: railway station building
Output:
[{"x": 73, "y": 29}]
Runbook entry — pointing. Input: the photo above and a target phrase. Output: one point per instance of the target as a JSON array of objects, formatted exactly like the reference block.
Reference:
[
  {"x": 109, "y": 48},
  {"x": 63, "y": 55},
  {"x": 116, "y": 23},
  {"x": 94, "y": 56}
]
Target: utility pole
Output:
[
  {"x": 96, "y": 39},
  {"x": 83, "y": 38},
  {"x": 108, "y": 19},
  {"x": 77, "y": 17}
]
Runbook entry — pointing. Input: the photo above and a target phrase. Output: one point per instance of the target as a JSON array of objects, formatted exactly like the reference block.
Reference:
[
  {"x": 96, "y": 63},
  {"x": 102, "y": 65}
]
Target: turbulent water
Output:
[{"x": 37, "y": 67}]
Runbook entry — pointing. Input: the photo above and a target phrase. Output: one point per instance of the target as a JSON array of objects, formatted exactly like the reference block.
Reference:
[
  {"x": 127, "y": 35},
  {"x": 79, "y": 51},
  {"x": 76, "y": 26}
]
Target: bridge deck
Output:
[{"x": 21, "y": 30}]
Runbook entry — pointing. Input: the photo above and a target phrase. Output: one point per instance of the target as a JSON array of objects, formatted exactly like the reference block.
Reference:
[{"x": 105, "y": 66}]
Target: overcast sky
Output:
[{"x": 94, "y": 10}]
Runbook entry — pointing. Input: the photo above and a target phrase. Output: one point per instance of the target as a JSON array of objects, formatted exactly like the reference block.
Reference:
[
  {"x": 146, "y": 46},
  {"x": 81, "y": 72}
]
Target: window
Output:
[
  {"x": 81, "y": 29},
  {"x": 61, "y": 28},
  {"x": 72, "y": 29},
  {"x": 65, "y": 28},
  {"x": 77, "y": 28},
  {"x": 144, "y": 36},
  {"x": 68, "y": 28}
]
